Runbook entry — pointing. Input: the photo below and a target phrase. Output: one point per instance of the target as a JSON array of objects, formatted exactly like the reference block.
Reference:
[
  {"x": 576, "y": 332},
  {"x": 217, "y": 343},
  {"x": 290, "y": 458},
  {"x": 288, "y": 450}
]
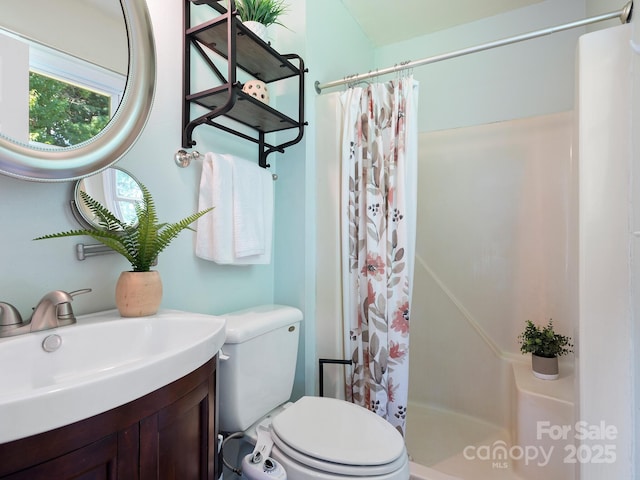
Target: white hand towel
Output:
[
  {"x": 248, "y": 211},
  {"x": 214, "y": 236},
  {"x": 239, "y": 231},
  {"x": 267, "y": 214}
]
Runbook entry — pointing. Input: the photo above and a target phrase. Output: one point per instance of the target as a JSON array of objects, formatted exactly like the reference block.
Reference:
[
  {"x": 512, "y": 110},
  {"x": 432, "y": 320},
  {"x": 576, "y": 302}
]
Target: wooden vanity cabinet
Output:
[{"x": 170, "y": 433}]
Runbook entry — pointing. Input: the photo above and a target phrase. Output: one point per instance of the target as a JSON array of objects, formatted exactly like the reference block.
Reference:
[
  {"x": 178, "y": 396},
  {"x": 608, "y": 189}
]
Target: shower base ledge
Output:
[
  {"x": 541, "y": 405},
  {"x": 560, "y": 390}
]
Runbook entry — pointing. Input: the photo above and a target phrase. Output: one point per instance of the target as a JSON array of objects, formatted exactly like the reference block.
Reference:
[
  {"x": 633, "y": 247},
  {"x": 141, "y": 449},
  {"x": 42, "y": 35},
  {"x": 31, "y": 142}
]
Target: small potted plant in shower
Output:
[{"x": 545, "y": 346}]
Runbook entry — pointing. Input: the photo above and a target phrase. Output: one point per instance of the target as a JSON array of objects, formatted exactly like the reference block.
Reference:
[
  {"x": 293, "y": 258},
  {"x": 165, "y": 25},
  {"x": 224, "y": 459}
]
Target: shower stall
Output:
[
  {"x": 517, "y": 220},
  {"x": 496, "y": 246}
]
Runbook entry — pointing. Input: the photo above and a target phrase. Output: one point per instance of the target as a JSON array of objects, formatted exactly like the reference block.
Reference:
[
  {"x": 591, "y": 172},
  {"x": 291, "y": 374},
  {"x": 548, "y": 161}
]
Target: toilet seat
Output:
[{"x": 338, "y": 437}]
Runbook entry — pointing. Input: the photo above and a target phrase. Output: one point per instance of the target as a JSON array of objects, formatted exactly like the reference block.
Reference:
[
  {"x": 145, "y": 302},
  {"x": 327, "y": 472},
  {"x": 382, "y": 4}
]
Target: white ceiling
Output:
[{"x": 390, "y": 21}]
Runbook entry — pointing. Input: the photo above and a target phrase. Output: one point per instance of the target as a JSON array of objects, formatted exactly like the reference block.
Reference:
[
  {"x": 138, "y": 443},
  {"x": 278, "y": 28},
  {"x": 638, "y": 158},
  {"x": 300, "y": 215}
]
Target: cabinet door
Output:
[
  {"x": 96, "y": 461},
  {"x": 178, "y": 442},
  {"x": 167, "y": 434}
]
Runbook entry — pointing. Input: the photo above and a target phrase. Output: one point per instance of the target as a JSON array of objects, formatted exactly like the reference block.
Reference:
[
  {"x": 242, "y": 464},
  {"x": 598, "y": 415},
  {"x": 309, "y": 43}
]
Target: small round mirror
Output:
[{"x": 115, "y": 188}]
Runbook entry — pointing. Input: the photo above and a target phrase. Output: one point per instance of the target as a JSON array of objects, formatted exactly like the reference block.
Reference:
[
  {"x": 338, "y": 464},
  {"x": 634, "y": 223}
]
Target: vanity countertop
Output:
[{"x": 104, "y": 361}]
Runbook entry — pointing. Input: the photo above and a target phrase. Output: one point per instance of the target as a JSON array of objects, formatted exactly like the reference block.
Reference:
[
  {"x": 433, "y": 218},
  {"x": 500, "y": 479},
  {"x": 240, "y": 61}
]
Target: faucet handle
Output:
[
  {"x": 9, "y": 316},
  {"x": 64, "y": 312},
  {"x": 75, "y": 293}
]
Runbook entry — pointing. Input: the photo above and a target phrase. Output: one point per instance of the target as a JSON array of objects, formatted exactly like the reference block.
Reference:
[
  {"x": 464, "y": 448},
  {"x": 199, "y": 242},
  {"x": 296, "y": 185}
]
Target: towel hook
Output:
[{"x": 183, "y": 158}]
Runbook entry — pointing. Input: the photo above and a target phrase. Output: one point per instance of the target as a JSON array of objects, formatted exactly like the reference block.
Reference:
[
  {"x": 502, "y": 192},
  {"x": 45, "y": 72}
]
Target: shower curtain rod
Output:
[{"x": 623, "y": 14}]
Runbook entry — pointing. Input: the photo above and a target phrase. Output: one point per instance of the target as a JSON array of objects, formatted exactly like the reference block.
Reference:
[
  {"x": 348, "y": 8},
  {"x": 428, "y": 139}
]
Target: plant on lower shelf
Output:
[
  {"x": 265, "y": 12},
  {"x": 544, "y": 342},
  {"x": 140, "y": 242}
]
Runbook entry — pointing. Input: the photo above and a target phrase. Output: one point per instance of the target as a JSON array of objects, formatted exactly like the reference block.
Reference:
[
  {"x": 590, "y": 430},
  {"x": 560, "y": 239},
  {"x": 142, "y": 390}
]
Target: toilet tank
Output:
[{"x": 257, "y": 363}]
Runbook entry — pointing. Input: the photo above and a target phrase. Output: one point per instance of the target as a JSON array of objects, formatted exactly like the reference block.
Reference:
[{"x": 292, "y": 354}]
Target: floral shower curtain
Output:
[{"x": 379, "y": 183}]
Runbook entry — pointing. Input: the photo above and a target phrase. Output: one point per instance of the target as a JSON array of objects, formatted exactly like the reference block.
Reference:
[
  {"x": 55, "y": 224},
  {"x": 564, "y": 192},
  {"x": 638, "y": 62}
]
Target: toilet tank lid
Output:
[{"x": 246, "y": 324}]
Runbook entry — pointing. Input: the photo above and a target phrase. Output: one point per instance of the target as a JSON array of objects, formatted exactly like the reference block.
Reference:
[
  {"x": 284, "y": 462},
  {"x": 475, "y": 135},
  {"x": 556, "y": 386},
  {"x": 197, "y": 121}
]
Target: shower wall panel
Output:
[{"x": 496, "y": 247}]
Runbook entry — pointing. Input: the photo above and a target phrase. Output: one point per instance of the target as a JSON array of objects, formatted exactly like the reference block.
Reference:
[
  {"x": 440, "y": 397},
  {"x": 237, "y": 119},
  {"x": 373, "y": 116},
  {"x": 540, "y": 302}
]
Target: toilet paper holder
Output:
[{"x": 321, "y": 363}]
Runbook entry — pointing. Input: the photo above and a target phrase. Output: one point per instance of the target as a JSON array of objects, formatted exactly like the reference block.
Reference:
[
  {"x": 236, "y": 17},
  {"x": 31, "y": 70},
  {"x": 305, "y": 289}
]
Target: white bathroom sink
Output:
[{"x": 104, "y": 361}]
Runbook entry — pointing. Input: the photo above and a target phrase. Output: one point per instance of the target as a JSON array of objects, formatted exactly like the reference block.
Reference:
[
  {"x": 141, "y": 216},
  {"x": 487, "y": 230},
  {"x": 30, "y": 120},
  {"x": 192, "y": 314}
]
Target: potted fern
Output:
[
  {"x": 139, "y": 291},
  {"x": 545, "y": 346},
  {"x": 257, "y": 15}
]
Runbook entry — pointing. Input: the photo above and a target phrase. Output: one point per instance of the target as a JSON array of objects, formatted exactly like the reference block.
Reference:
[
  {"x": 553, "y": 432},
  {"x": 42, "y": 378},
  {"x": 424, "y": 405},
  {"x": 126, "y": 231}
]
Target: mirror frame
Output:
[{"x": 72, "y": 163}]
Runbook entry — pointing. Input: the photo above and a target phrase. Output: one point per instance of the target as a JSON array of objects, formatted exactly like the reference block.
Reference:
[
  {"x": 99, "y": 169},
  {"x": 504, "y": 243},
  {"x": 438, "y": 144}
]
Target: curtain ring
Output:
[{"x": 348, "y": 80}]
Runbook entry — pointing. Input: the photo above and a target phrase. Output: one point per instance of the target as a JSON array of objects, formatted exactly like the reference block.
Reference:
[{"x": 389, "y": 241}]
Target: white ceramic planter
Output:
[{"x": 258, "y": 28}]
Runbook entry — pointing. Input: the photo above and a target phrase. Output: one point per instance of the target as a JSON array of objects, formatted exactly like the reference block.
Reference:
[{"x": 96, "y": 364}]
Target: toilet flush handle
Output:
[{"x": 223, "y": 356}]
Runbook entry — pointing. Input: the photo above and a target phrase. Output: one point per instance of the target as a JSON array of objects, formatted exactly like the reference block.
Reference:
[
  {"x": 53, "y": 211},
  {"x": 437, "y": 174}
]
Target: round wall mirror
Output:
[
  {"x": 114, "y": 49},
  {"x": 115, "y": 188}
]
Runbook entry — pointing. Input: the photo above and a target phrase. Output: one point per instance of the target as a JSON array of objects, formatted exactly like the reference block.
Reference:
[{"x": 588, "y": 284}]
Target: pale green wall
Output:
[
  {"x": 535, "y": 77},
  {"x": 30, "y": 269},
  {"x": 333, "y": 46},
  {"x": 330, "y": 42}
]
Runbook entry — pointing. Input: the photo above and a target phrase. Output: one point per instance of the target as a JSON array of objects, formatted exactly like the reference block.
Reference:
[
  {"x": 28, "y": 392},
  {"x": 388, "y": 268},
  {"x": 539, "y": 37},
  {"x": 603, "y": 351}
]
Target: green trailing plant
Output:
[
  {"x": 141, "y": 241},
  {"x": 265, "y": 12},
  {"x": 544, "y": 342}
]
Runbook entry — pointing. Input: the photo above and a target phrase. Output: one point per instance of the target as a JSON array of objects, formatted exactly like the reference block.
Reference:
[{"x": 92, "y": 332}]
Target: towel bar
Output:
[{"x": 183, "y": 159}]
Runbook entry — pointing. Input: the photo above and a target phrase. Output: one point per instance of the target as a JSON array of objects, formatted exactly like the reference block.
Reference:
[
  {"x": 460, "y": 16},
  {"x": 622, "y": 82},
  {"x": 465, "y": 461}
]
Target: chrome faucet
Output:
[{"x": 53, "y": 310}]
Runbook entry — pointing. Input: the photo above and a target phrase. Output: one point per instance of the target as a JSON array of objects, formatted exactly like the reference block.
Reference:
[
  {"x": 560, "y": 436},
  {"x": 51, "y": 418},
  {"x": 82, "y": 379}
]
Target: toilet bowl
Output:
[
  {"x": 313, "y": 437},
  {"x": 320, "y": 437}
]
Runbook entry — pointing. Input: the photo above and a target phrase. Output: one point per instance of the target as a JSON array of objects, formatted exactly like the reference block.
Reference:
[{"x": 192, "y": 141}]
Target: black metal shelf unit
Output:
[{"x": 227, "y": 37}]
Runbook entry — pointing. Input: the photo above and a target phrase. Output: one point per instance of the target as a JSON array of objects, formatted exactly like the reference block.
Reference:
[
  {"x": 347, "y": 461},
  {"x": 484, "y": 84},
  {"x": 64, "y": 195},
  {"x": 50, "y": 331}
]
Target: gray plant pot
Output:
[{"x": 545, "y": 368}]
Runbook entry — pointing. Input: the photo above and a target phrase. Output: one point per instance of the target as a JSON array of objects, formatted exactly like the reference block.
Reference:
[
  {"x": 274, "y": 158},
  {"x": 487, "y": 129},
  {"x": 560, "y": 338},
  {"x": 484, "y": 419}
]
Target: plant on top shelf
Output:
[
  {"x": 265, "y": 12},
  {"x": 141, "y": 241},
  {"x": 546, "y": 346}
]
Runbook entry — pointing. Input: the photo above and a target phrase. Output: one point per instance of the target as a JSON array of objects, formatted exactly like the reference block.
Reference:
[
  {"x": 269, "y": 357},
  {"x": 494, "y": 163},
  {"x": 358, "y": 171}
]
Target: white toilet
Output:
[{"x": 313, "y": 438}]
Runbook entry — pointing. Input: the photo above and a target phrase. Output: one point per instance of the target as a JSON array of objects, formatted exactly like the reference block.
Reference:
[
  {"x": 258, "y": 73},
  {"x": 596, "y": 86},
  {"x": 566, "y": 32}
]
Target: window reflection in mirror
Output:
[
  {"x": 50, "y": 53},
  {"x": 69, "y": 100},
  {"x": 115, "y": 189},
  {"x": 63, "y": 114}
]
